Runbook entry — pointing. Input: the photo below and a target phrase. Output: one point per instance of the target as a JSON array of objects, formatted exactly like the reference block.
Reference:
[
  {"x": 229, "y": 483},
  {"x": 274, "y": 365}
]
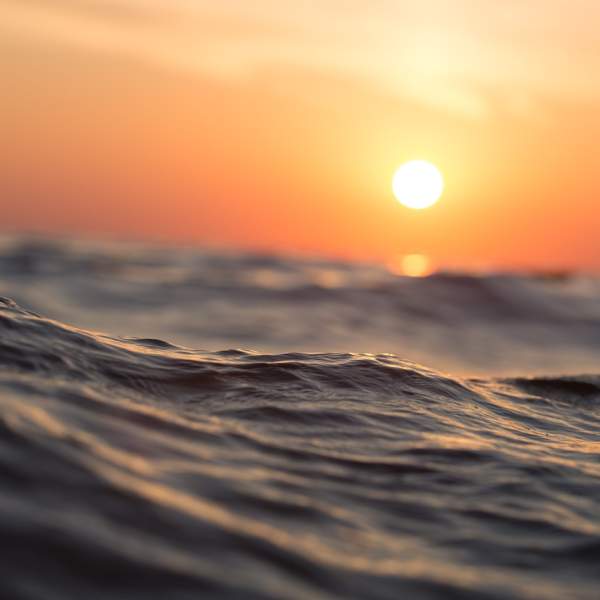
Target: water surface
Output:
[{"x": 183, "y": 424}]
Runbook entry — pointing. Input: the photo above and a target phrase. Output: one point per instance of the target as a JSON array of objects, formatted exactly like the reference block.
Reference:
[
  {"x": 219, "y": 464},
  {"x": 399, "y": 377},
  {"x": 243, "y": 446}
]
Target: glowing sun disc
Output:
[{"x": 418, "y": 184}]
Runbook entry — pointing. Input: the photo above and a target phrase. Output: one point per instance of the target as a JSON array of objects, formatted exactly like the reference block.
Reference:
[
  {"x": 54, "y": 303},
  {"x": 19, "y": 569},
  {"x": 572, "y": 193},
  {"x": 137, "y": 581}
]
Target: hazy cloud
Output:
[{"x": 440, "y": 52}]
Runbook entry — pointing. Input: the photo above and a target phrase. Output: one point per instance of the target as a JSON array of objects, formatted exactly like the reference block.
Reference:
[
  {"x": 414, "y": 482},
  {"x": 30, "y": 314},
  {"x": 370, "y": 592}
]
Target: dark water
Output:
[{"x": 318, "y": 462}]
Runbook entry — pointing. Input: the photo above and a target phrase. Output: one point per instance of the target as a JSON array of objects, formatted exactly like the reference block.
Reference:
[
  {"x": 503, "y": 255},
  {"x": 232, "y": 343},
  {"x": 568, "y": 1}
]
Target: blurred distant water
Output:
[
  {"x": 491, "y": 324},
  {"x": 177, "y": 423}
]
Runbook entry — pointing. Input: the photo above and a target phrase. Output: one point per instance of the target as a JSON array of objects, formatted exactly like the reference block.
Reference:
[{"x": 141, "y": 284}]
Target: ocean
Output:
[{"x": 185, "y": 423}]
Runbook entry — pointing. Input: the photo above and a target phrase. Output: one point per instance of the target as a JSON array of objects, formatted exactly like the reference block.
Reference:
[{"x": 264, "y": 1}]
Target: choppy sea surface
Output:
[{"x": 178, "y": 423}]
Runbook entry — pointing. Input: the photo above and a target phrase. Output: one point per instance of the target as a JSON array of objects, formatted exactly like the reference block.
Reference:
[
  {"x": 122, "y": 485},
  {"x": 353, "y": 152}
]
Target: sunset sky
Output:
[{"x": 278, "y": 125}]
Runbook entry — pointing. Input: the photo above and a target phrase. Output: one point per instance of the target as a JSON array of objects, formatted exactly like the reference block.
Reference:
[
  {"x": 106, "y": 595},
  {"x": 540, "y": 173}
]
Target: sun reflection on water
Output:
[{"x": 411, "y": 265}]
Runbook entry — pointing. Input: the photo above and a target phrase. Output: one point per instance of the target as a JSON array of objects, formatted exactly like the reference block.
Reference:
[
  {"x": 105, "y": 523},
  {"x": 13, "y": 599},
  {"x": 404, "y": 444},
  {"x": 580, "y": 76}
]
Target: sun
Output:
[{"x": 418, "y": 184}]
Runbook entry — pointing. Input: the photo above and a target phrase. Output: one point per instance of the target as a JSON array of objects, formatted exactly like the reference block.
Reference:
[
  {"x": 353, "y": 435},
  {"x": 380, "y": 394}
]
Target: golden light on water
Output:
[
  {"x": 411, "y": 265},
  {"x": 418, "y": 184}
]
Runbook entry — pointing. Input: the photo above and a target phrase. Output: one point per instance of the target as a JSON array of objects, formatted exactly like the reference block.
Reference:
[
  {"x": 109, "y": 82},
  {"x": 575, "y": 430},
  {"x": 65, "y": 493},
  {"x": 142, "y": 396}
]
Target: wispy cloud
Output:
[{"x": 442, "y": 53}]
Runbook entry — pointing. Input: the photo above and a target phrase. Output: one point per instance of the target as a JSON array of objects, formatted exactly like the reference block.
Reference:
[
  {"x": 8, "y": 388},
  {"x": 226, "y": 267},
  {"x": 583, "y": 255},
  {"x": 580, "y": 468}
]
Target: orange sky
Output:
[{"x": 278, "y": 125}]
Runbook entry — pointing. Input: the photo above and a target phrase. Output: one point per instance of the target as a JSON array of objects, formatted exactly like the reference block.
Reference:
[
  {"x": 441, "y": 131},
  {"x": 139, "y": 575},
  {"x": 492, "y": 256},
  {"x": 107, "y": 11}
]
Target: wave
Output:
[
  {"x": 135, "y": 468},
  {"x": 501, "y": 324}
]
